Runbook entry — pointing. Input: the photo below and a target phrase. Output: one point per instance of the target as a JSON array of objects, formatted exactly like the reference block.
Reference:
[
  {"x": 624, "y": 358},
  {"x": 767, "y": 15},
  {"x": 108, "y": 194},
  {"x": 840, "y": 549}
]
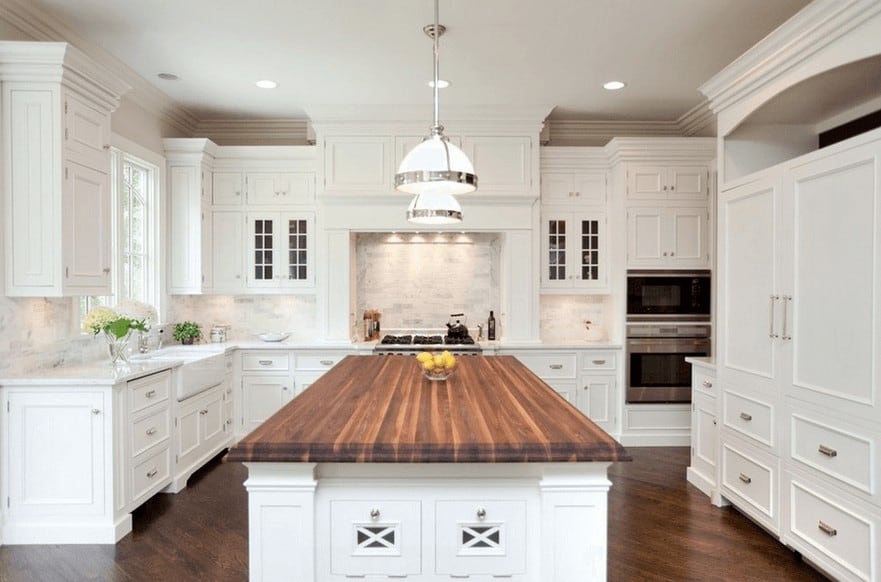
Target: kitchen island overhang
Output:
[{"x": 375, "y": 471}]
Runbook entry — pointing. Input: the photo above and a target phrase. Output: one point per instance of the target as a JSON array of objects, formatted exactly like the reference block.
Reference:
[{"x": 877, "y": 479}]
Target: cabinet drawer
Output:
[
  {"x": 273, "y": 361},
  {"x": 480, "y": 538},
  {"x": 150, "y": 390},
  {"x": 605, "y": 361},
  {"x": 748, "y": 416},
  {"x": 843, "y": 536},
  {"x": 151, "y": 474},
  {"x": 318, "y": 361},
  {"x": 550, "y": 365},
  {"x": 750, "y": 479},
  {"x": 703, "y": 381},
  {"x": 375, "y": 538},
  {"x": 844, "y": 455},
  {"x": 149, "y": 431}
]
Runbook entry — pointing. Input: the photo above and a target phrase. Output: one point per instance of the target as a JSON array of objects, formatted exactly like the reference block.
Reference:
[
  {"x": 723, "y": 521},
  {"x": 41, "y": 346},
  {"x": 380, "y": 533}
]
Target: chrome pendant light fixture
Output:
[{"x": 435, "y": 170}]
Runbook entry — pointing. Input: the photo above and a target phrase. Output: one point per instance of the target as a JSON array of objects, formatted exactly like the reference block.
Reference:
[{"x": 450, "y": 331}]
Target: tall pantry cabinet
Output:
[
  {"x": 799, "y": 280},
  {"x": 55, "y": 131}
]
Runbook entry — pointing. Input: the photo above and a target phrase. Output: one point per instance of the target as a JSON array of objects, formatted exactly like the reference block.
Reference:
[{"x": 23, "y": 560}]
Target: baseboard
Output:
[
  {"x": 705, "y": 486},
  {"x": 42, "y": 533}
]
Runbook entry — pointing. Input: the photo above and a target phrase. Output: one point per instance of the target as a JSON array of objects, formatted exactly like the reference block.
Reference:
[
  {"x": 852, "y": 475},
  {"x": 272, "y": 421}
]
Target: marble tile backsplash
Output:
[
  {"x": 247, "y": 314},
  {"x": 416, "y": 281},
  {"x": 563, "y": 317},
  {"x": 38, "y": 333}
]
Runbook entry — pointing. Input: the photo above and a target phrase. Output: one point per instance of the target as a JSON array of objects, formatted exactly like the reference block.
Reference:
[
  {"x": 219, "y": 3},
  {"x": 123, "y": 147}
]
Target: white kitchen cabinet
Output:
[
  {"x": 598, "y": 396},
  {"x": 574, "y": 188},
  {"x": 312, "y": 365},
  {"x": 664, "y": 182},
  {"x": 280, "y": 250},
  {"x": 574, "y": 252},
  {"x": 704, "y": 431},
  {"x": 228, "y": 188},
  {"x": 279, "y": 188},
  {"x": 200, "y": 431},
  {"x": 668, "y": 237},
  {"x": 76, "y": 459},
  {"x": 150, "y": 435},
  {"x": 56, "y": 107},
  {"x": 267, "y": 384},
  {"x": 189, "y": 199},
  {"x": 357, "y": 165},
  {"x": 503, "y": 164},
  {"x": 228, "y": 251}
]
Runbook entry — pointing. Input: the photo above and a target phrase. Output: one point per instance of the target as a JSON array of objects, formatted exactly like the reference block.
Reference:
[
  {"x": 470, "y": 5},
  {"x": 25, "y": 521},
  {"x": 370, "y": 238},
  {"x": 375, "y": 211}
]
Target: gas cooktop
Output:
[{"x": 404, "y": 343}]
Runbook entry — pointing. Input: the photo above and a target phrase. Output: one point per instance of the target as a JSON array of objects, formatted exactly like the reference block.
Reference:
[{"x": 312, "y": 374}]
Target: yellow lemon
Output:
[
  {"x": 439, "y": 361},
  {"x": 428, "y": 365},
  {"x": 423, "y": 357}
]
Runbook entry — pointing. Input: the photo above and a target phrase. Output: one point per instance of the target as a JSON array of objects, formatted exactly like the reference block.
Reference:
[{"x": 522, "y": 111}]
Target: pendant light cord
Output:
[{"x": 436, "y": 35}]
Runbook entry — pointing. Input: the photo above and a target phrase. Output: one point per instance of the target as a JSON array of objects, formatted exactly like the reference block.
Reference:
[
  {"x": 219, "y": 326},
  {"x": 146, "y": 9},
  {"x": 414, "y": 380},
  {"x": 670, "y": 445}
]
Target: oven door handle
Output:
[{"x": 672, "y": 345}]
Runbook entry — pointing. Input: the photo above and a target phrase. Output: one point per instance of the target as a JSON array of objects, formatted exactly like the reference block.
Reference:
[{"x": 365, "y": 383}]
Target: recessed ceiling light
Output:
[
  {"x": 441, "y": 84},
  {"x": 167, "y": 76},
  {"x": 614, "y": 85},
  {"x": 266, "y": 84}
]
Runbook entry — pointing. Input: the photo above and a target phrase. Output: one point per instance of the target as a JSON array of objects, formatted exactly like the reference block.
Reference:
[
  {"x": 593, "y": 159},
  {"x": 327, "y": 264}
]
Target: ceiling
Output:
[{"x": 497, "y": 53}]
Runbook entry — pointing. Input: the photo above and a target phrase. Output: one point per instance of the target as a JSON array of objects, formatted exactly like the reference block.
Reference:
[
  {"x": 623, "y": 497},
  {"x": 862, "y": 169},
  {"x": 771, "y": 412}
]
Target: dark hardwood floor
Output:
[{"x": 660, "y": 528}]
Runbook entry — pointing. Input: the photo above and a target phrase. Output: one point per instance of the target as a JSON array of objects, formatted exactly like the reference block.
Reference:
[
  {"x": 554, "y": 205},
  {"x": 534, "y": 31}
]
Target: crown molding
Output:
[
  {"x": 649, "y": 149},
  {"x": 252, "y": 132},
  {"x": 812, "y": 29},
  {"x": 40, "y": 25},
  {"x": 698, "y": 121},
  {"x": 598, "y": 133}
]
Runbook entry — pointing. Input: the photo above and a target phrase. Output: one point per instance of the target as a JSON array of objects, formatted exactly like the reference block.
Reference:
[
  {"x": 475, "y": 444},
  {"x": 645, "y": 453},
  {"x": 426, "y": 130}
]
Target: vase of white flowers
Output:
[{"x": 117, "y": 326}]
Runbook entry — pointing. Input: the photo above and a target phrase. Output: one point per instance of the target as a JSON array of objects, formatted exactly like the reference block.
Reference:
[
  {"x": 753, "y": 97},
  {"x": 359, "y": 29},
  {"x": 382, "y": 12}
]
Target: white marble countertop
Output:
[
  {"x": 102, "y": 373},
  {"x": 703, "y": 362}
]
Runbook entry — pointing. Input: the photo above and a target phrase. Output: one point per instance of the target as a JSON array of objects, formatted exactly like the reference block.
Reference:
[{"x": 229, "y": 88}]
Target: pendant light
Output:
[{"x": 435, "y": 170}]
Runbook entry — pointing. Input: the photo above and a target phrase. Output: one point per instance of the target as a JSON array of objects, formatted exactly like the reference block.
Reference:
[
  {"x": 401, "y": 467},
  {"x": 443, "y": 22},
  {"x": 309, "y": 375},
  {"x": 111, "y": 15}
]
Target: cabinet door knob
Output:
[
  {"x": 150, "y": 394},
  {"x": 374, "y": 513},
  {"x": 672, "y": 254},
  {"x": 151, "y": 431},
  {"x": 106, "y": 270},
  {"x": 96, "y": 411},
  {"x": 707, "y": 384},
  {"x": 481, "y": 513},
  {"x": 665, "y": 253},
  {"x": 106, "y": 147},
  {"x": 203, "y": 412}
]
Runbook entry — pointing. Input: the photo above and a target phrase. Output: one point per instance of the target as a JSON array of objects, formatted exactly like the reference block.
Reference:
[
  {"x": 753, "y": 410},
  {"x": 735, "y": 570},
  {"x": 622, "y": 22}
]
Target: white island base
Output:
[{"x": 535, "y": 522}]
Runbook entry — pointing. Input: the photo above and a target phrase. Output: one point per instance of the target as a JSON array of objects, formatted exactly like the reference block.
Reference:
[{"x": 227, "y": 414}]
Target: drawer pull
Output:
[
  {"x": 151, "y": 430},
  {"x": 204, "y": 411},
  {"x": 150, "y": 394},
  {"x": 745, "y": 416},
  {"x": 827, "y": 529},
  {"x": 374, "y": 513},
  {"x": 556, "y": 366},
  {"x": 745, "y": 478},
  {"x": 327, "y": 362},
  {"x": 154, "y": 471},
  {"x": 829, "y": 452},
  {"x": 264, "y": 362},
  {"x": 707, "y": 384},
  {"x": 481, "y": 513},
  {"x": 598, "y": 362}
]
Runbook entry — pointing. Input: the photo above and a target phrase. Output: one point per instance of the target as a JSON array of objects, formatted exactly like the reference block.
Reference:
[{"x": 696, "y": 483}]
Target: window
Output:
[{"x": 134, "y": 197}]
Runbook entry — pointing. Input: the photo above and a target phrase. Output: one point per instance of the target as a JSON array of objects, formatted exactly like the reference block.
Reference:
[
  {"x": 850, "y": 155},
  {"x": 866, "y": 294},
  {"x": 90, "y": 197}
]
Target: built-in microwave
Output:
[{"x": 668, "y": 295}]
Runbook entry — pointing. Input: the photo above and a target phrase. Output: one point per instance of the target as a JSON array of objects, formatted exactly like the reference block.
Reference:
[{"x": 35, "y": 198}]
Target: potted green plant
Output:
[{"x": 186, "y": 332}]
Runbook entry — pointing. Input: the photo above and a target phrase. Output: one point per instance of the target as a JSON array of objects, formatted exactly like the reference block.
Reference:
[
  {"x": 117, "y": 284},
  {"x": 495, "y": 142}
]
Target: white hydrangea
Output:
[{"x": 137, "y": 311}]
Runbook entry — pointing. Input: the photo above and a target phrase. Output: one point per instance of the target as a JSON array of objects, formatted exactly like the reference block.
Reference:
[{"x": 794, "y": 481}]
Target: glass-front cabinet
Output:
[
  {"x": 281, "y": 250},
  {"x": 574, "y": 252}
]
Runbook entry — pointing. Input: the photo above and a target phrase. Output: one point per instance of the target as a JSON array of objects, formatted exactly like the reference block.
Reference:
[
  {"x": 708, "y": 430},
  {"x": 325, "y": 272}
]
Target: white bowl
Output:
[{"x": 273, "y": 337}]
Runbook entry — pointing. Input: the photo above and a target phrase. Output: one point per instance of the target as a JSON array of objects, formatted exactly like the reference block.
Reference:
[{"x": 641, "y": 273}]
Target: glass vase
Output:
[{"x": 118, "y": 347}]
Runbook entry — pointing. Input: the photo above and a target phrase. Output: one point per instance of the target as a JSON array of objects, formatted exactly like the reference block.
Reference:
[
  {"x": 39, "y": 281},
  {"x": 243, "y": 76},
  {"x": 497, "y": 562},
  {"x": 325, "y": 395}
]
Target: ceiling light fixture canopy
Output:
[{"x": 435, "y": 169}]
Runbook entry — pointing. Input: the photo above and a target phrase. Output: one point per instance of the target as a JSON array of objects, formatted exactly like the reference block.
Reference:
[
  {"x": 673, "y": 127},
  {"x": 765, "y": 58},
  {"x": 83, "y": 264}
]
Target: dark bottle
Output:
[{"x": 491, "y": 327}]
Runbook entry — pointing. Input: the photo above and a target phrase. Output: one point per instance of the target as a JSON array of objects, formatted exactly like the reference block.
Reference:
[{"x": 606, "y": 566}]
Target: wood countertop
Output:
[{"x": 380, "y": 409}]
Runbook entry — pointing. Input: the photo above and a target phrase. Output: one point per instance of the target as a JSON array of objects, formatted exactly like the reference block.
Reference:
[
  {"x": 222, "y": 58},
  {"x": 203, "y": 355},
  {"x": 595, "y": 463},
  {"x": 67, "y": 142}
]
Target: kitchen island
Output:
[{"x": 376, "y": 471}]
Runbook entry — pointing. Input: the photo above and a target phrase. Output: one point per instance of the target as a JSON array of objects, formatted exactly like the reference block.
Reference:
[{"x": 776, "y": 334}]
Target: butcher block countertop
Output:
[{"x": 380, "y": 409}]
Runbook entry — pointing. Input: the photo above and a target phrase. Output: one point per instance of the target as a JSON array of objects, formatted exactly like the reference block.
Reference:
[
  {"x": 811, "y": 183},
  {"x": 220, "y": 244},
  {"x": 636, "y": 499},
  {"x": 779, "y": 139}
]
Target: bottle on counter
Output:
[{"x": 491, "y": 326}]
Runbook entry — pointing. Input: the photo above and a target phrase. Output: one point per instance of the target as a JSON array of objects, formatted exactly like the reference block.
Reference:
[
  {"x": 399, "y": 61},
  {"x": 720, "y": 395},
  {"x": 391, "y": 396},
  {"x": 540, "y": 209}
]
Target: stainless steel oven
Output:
[
  {"x": 656, "y": 366},
  {"x": 668, "y": 295}
]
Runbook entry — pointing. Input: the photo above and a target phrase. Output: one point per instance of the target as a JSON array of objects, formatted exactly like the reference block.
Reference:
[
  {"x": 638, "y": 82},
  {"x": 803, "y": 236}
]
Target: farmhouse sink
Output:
[{"x": 203, "y": 367}]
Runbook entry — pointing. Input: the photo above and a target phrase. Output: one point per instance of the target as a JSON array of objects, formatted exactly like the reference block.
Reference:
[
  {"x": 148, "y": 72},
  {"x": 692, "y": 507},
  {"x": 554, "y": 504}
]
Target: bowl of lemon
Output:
[{"x": 437, "y": 366}]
